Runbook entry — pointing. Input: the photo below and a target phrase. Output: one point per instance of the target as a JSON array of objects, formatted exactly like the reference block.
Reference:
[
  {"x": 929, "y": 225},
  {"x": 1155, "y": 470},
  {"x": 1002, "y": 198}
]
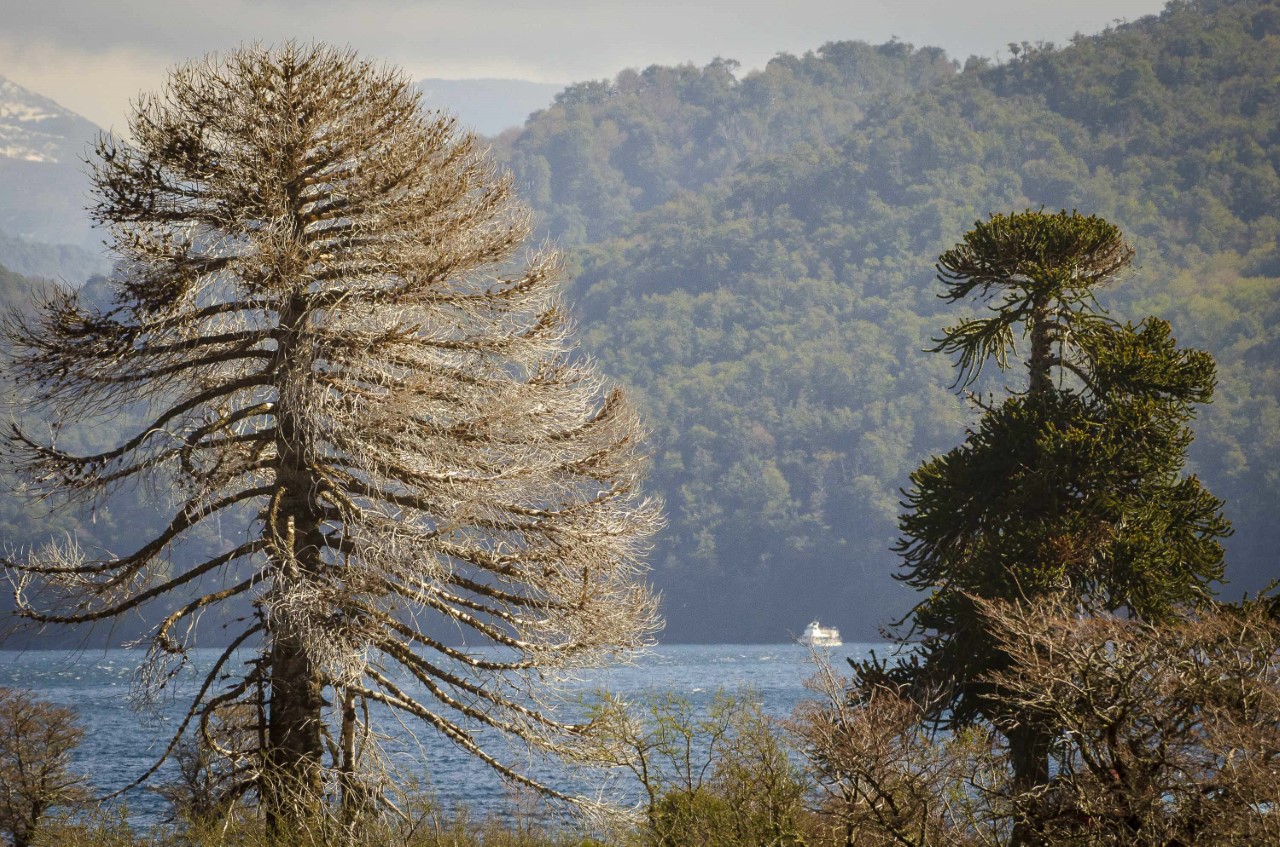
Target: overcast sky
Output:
[{"x": 94, "y": 56}]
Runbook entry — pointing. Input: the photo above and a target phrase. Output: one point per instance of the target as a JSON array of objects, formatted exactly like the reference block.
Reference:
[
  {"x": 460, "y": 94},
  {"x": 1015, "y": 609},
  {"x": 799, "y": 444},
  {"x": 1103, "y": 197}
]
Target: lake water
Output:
[{"x": 121, "y": 743}]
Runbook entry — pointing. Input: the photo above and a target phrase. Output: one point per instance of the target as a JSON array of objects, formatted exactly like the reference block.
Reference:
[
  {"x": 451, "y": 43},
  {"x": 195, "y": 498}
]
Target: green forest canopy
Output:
[{"x": 755, "y": 256}]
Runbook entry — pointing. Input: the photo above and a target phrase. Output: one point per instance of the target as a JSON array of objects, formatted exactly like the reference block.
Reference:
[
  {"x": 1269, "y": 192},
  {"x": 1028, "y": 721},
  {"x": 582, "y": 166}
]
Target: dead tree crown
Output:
[{"x": 320, "y": 306}]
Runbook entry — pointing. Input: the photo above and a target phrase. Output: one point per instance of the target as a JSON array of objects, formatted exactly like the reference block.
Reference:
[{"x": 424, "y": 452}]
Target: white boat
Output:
[{"x": 817, "y": 635}]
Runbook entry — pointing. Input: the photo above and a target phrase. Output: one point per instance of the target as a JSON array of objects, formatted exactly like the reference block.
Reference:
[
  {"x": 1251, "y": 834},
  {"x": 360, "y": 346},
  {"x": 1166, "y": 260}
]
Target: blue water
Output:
[{"x": 121, "y": 742}]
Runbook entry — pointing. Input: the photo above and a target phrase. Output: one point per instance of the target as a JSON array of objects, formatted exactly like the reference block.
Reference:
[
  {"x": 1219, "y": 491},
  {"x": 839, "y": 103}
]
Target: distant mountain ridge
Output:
[
  {"x": 43, "y": 186},
  {"x": 67, "y": 263},
  {"x": 34, "y": 128},
  {"x": 44, "y": 189}
]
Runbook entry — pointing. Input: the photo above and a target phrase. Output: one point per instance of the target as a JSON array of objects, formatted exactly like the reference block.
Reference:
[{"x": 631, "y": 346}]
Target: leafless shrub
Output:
[
  {"x": 884, "y": 777},
  {"x": 1163, "y": 735},
  {"x": 722, "y": 777},
  {"x": 1168, "y": 734},
  {"x": 36, "y": 774}
]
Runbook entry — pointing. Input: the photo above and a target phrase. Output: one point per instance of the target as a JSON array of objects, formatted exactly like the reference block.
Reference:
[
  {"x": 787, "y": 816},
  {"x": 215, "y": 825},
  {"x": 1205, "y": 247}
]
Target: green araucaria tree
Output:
[
  {"x": 1072, "y": 486},
  {"x": 320, "y": 305}
]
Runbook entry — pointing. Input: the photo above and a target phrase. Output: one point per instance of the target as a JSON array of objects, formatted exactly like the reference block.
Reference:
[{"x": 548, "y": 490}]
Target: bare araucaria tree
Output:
[{"x": 319, "y": 301}]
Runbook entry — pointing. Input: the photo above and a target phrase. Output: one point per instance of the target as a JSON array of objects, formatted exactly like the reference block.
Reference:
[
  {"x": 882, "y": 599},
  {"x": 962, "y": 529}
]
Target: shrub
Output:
[{"x": 36, "y": 775}]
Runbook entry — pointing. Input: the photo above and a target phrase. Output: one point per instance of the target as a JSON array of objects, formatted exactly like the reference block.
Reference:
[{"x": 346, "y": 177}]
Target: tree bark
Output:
[
  {"x": 1029, "y": 756},
  {"x": 1040, "y": 348},
  {"x": 295, "y": 718},
  {"x": 293, "y": 733}
]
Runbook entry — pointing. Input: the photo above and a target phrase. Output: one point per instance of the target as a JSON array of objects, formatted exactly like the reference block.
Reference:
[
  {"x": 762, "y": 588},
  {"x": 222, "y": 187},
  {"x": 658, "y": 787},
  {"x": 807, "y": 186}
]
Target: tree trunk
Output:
[
  {"x": 293, "y": 734},
  {"x": 1029, "y": 755},
  {"x": 1040, "y": 348},
  {"x": 1029, "y": 744},
  {"x": 295, "y": 719}
]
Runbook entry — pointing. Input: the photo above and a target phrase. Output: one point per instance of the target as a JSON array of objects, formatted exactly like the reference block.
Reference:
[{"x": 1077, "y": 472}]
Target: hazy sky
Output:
[{"x": 93, "y": 56}]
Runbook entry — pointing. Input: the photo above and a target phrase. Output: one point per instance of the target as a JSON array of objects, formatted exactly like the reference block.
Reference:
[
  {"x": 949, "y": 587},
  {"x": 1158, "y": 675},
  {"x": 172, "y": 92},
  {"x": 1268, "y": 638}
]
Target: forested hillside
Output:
[
  {"x": 755, "y": 257},
  {"x": 607, "y": 150}
]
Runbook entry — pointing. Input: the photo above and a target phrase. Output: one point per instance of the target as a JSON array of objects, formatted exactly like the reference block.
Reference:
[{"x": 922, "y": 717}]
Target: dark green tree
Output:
[{"x": 1072, "y": 486}]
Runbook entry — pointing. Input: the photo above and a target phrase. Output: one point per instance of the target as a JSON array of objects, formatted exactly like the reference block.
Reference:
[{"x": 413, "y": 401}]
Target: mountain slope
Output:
[
  {"x": 772, "y": 312},
  {"x": 36, "y": 129},
  {"x": 609, "y": 149},
  {"x": 43, "y": 187}
]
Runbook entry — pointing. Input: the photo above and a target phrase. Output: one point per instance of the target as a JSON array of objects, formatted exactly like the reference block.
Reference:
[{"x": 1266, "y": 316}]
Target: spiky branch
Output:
[{"x": 317, "y": 301}]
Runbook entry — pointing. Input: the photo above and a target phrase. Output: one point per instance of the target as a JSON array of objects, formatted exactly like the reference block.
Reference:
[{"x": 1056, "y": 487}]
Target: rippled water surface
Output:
[{"x": 121, "y": 742}]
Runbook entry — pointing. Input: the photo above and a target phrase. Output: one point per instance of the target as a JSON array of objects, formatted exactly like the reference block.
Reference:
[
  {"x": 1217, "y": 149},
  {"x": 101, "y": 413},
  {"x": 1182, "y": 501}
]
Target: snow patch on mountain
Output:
[
  {"x": 36, "y": 129},
  {"x": 44, "y": 186}
]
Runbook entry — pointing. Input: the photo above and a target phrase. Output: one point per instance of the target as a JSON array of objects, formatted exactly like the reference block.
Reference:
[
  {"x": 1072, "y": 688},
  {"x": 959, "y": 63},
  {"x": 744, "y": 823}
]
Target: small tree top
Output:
[
  {"x": 1035, "y": 254},
  {"x": 1044, "y": 267}
]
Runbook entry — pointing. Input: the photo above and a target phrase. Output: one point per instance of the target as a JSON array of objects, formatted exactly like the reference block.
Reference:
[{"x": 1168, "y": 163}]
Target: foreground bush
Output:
[
  {"x": 1162, "y": 736},
  {"x": 884, "y": 776},
  {"x": 726, "y": 777},
  {"x": 36, "y": 774},
  {"x": 1167, "y": 735},
  {"x": 429, "y": 828}
]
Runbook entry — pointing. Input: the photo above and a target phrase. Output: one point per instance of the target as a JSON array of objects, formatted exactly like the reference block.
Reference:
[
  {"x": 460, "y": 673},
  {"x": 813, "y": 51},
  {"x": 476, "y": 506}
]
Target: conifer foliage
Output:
[
  {"x": 1072, "y": 488},
  {"x": 319, "y": 300}
]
